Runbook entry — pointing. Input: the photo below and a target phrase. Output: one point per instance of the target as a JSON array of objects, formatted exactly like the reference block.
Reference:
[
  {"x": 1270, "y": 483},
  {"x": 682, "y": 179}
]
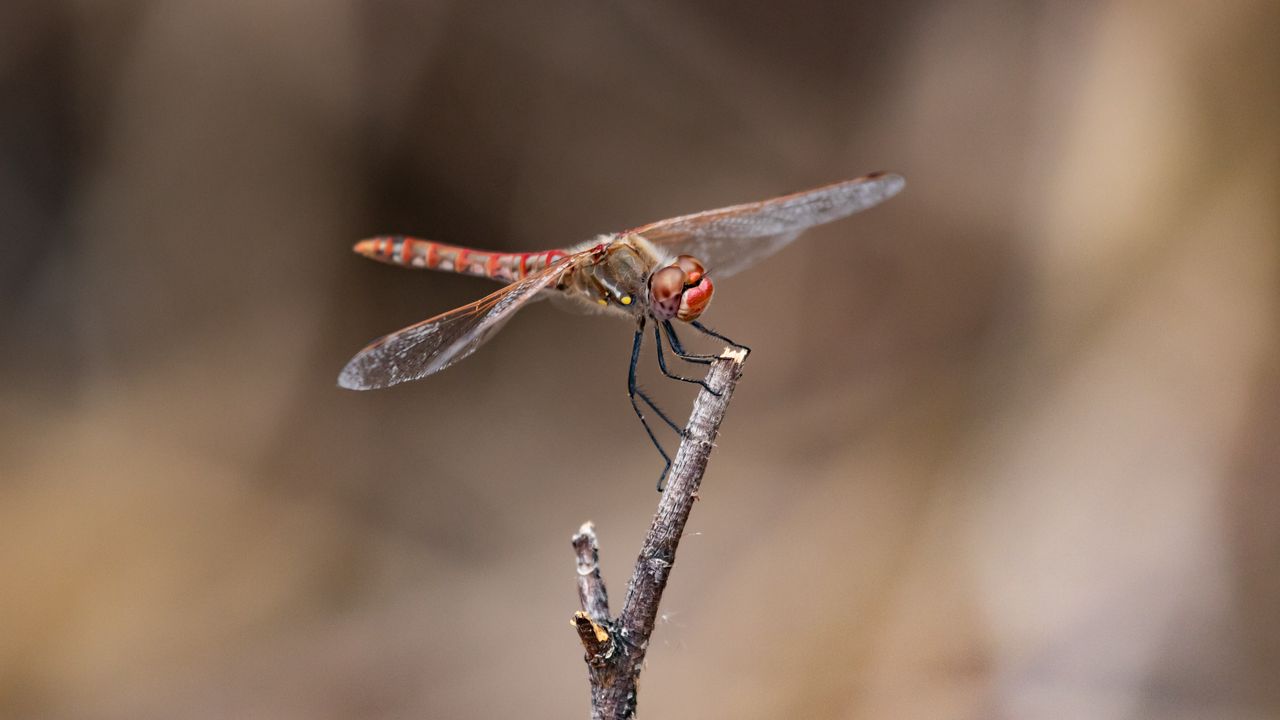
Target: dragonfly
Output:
[{"x": 659, "y": 273}]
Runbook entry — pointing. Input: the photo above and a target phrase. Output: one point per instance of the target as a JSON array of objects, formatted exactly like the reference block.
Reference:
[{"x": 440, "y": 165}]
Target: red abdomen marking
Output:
[{"x": 413, "y": 252}]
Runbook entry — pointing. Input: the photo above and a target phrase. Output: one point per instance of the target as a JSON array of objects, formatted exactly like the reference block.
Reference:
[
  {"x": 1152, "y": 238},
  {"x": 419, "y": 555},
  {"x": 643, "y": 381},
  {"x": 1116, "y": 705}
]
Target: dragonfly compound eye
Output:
[
  {"x": 665, "y": 290},
  {"x": 692, "y": 269},
  {"x": 694, "y": 299}
]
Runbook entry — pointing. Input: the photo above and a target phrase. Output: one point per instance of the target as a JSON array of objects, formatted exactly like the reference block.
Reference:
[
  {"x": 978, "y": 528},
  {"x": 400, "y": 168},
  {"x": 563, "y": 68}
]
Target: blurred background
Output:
[{"x": 1008, "y": 446}]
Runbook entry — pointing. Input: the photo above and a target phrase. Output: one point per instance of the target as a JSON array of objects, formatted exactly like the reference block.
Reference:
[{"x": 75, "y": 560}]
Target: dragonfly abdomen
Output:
[{"x": 431, "y": 255}]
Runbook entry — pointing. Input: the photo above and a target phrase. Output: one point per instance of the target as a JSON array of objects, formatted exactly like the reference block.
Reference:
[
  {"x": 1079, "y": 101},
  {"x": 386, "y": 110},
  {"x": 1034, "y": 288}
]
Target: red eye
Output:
[
  {"x": 665, "y": 288},
  {"x": 694, "y": 300},
  {"x": 692, "y": 269}
]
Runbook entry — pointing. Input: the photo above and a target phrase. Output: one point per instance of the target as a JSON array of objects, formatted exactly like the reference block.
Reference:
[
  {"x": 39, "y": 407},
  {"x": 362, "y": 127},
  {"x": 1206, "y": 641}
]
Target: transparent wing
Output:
[
  {"x": 436, "y": 343},
  {"x": 730, "y": 239}
]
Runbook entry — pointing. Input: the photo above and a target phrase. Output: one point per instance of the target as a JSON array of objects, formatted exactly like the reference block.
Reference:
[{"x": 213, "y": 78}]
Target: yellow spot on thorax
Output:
[{"x": 626, "y": 299}]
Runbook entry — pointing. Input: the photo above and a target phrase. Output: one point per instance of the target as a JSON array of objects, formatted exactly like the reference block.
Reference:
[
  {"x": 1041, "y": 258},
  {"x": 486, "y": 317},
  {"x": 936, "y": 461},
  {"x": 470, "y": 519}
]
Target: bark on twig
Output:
[
  {"x": 590, "y": 621},
  {"x": 591, "y": 592},
  {"x": 616, "y": 647}
]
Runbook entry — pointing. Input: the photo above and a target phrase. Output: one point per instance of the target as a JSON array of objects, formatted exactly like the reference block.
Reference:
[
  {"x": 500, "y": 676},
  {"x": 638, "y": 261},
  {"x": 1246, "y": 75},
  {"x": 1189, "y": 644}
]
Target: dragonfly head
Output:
[{"x": 680, "y": 290}]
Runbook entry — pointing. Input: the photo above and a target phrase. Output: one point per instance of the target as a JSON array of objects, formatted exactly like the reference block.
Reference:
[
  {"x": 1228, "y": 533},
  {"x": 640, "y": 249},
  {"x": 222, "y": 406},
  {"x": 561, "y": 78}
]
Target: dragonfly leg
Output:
[
  {"x": 662, "y": 363},
  {"x": 708, "y": 331},
  {"x": 678, "y": 348},
  {"x": 633, "y": 390}
]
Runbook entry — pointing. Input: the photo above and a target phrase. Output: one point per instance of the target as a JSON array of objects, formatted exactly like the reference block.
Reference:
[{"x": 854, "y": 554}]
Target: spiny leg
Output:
[
  {"x": 708, "y": 331},
  {"x": 662, "y": 363},
  {"x": 633, "y": 390},
  {"x": 678, "y": 348}
]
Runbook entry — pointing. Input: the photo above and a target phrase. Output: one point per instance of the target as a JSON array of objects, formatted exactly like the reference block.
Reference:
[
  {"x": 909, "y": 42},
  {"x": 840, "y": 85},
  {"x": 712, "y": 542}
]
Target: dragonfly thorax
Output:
[{"x": 627, "y": 275}]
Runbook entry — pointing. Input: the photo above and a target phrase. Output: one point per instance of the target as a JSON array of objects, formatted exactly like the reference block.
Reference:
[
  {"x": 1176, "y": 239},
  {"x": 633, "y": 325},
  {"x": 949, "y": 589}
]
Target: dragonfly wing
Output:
[
  {"x": 436, "y": 343},
  {"x": 730, "y": 239}
]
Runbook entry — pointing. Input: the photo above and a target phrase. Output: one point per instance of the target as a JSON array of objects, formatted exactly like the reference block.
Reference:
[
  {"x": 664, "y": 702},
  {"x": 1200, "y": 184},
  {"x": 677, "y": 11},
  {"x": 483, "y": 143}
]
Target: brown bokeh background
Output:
[{"x": 1008, "y": 446}]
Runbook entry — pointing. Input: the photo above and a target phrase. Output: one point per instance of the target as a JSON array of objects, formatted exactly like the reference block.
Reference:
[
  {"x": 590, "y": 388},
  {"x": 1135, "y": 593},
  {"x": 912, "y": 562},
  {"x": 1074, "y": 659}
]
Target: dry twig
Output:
[{"x": 616, "y": 646}]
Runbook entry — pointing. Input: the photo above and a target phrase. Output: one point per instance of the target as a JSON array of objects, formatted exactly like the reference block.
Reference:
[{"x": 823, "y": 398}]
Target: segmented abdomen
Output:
[{"x": 412, "y": 252}]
